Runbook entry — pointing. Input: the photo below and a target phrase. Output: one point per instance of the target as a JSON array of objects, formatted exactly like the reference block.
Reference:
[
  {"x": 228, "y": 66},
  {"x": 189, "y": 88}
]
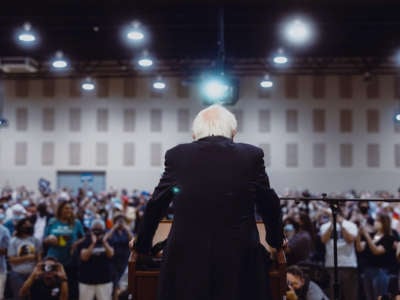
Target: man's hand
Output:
[
  {"x": 131, "y": 244},
  {"x": 280, "y": 257}
]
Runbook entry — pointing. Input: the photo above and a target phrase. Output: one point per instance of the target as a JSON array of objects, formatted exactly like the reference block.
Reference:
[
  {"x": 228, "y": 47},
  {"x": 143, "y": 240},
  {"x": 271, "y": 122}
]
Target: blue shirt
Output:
[{"x": 66, "y": 235}]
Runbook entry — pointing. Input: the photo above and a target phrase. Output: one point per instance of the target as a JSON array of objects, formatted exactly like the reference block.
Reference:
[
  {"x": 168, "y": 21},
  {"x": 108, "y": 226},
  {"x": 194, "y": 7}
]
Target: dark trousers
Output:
[{"x": 348, "y": 283}]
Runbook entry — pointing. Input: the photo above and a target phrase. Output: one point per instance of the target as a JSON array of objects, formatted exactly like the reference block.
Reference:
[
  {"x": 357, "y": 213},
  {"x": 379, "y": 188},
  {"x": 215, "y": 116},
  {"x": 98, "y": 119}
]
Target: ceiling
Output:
[{"x": 366, "y": 32}]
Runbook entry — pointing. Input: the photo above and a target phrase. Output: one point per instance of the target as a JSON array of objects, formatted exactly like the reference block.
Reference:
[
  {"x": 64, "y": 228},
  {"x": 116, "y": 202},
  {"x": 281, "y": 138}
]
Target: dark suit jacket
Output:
[{"x": 213, "y": 247}]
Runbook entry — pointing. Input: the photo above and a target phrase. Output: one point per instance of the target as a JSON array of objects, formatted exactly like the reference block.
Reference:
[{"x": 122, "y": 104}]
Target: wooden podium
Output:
[{"x": 142, "y": 285}]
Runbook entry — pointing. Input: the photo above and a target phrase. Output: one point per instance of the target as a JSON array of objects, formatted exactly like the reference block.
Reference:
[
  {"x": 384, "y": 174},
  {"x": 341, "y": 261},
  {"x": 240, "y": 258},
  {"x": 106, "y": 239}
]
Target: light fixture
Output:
[
  {"x": 145, "y": 61},
  {"x": 26, "y": 35},
  {"x": 159, "y": 84},
  {"x": 266, "y": 82},
  {"x": 88, "y": 84},
  {"x": 280, "y": 58},
  {"x": 397, "y": 117},
  {"x": 134, "y": 32},
  {"x": 59, "y": 62},
  {"x": 298, "y": 31}
]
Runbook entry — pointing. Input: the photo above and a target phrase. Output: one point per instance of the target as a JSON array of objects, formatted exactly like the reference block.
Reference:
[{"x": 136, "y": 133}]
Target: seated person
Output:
[
  {"x": 48, "y": 281},
  {"x": 300, "y": 287}
]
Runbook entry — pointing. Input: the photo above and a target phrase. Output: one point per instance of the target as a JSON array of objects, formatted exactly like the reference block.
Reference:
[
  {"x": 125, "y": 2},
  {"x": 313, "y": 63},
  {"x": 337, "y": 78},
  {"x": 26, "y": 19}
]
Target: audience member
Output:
[
  {"x": 4, "y": 244},
  {"x": 95, "y": 254},
  {"x": 48, "y": 281},
  {"x": 18, "y": 212},
  {"x": 346, "y": 256},
  {"x": 61, "y": 235},
  {"x": 301, "y": 287},
  {"x": 380, "y": 256},
  {"x": 119, "y": 237},
  {"x": 300, "y": 245},
  {"x": 23, "y": 254}
]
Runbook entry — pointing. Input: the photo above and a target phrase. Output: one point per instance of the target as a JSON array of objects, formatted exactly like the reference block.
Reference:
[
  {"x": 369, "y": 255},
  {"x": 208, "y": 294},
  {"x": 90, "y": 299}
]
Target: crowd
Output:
[{"x": 60, "y": 245}]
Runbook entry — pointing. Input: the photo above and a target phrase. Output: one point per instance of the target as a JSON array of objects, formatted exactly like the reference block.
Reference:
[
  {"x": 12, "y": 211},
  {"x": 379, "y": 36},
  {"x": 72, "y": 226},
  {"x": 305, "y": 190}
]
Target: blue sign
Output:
[{"x": 86, "y": 177}]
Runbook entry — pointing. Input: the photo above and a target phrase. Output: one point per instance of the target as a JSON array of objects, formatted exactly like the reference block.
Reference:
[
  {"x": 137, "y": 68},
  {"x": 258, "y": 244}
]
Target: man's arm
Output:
[
  {"x": 268, "y": 205},
  {"x": 156, "y": 207}
]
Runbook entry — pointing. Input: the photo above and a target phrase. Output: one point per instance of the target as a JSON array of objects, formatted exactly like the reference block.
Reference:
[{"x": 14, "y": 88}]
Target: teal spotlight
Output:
[{"x": 218, "y": 89}]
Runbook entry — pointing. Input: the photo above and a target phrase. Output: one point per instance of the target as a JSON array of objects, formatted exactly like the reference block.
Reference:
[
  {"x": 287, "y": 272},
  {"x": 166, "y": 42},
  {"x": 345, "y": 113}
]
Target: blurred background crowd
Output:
[{"x": 85, "y": 234}]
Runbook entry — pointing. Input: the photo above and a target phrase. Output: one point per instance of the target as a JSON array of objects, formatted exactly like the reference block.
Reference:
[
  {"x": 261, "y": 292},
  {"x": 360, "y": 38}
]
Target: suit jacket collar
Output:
[{"x": 215, "y": 138}]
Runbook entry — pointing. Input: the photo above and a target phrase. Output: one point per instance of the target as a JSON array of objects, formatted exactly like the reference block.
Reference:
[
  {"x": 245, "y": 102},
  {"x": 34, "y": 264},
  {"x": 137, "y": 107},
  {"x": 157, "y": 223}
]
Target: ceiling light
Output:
[
  {"x": 145, "y": 61},
  {"x": 280, "y": 58},
  {"x": 88, "y": 84},
  {"x": 397, "y": 117},
  {"x": 298, "y": 31},
  {"x": 159, "y": 84},
  {"x": 26, "y": 35},
  {"x": 266, "y": 82},
  {"x": 59, "y": 62},
  {"x": 134, "y": 32}
]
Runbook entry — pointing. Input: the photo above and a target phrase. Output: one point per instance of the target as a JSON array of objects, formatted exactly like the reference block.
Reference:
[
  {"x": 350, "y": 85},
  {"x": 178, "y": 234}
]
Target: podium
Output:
[{"x": 142, "y": 285}]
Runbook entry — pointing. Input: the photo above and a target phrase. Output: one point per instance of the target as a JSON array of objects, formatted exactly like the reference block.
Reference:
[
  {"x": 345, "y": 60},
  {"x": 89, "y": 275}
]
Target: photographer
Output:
[
  {"x": 300, "y": 287},
  {"x": 48, "y": 281},
  {"x": 95, "y": 264}
]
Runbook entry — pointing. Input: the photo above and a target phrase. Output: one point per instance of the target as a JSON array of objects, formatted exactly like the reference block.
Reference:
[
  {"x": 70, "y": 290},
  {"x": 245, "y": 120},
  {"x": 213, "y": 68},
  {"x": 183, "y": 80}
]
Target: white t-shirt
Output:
[
  {"x": 346, "y": 252},
  {"x": 39, "y": 227}
]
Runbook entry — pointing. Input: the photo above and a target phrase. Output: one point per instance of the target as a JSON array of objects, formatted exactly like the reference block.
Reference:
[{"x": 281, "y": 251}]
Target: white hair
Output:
[{"x": 214, "y": 120}]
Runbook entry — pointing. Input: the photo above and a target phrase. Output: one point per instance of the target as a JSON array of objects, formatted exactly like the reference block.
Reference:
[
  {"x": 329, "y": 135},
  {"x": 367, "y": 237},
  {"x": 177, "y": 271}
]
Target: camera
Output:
[{"x": 49, "y": 267}]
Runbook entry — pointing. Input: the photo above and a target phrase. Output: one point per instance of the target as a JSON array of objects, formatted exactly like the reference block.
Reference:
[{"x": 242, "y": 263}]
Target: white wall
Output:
[{"x": 332, "y": 177}]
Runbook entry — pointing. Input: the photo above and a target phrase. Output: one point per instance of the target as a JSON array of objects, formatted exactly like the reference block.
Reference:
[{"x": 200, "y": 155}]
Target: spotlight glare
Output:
[
  {"x": 298, "y": 32},
  {"x": 215, "y": 89}
]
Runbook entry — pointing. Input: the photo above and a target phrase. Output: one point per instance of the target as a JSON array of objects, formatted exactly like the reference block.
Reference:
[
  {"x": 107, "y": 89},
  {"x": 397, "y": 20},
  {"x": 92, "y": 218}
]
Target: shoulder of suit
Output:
[{"x": 249, "y": 147}]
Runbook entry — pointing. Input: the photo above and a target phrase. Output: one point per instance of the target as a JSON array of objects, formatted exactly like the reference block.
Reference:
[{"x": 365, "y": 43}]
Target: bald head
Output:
[{"x": 214, "y": 120}]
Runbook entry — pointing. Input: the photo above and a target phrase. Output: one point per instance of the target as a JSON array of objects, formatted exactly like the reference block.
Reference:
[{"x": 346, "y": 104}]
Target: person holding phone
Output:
[
  {"x": 48, "y": 281},
  {"x": 95, "y": 264}
]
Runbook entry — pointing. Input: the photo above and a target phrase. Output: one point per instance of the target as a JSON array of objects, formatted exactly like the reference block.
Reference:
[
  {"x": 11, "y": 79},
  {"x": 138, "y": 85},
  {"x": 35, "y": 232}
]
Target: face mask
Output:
[
  {"x": 25, "y": 203},
  {"x": 288, "y": 227},
  {"x": 87, "y": 222},
  {"x": 2, "y": 217}
]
